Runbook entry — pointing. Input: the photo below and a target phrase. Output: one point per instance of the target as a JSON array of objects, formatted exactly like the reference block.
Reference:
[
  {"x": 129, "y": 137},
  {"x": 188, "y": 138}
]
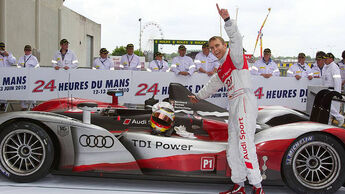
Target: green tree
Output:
[
  {"x": 138, "y": 52},
  {"x": 119, "y": 51}
]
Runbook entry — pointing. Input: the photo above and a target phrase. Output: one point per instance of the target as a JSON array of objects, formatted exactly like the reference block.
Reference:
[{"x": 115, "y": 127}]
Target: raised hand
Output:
[{"x": 223, "y": 12}]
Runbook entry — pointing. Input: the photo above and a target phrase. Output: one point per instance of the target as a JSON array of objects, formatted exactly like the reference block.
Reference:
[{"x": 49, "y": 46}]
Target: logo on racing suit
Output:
[
  {"x": 244, "y": 144},
  {"x": 228, "y": 83},
  {"x": 225, "y": 70}
]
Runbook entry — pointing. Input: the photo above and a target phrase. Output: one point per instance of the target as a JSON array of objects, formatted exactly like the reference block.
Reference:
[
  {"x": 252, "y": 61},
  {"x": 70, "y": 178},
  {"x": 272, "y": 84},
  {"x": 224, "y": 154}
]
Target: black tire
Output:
[
  {"x": 26, "y": 152},
  {"x": 314, "y": 163}
]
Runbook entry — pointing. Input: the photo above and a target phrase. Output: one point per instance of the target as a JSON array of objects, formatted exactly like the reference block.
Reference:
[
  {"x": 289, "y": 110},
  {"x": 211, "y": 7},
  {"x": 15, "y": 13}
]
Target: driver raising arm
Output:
[{"x": 233, "y": 73}]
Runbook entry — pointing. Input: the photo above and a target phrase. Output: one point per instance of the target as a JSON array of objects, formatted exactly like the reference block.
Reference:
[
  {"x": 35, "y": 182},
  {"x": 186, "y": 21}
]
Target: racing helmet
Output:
[{"x": 162, "y": 118}]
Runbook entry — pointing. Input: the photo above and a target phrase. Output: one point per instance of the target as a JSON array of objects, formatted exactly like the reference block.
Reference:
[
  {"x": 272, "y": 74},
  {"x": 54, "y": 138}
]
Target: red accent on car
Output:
[
  {"x": 217, "y": 130},
  {"x": 127, "y": 121},
  {"x": 69, "y": 104},
  {"x": 115, "y": 100},
  {"x": 107, "y": 167},
  {"x": 338, "y": 132},
  {"x": 207, "y": 163},
  {"x": 184, "y": 163},
  {"x": 119, "y": 131},
  {"x": 274, "y": 150},
  {"x": 202, "y": 137}
]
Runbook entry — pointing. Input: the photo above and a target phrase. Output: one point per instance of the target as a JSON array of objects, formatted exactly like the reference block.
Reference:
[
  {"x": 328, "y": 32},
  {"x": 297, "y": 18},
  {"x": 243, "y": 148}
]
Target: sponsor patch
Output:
[
  {"x": 127, "y": 121},
  {"x": 94, "y": 141},
  {"x": 207, "y": 163},
  {"x": 135, "y": 121},
  {"x": 295, "y": 146},
  {"x": 160, "y": 145},
  {"x": 139, "y": 122},
  {"x": 63, "y": 130}
]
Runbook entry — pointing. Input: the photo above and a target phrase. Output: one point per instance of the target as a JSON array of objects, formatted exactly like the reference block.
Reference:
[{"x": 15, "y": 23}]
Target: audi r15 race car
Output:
[{"x": 117, "y": 141}]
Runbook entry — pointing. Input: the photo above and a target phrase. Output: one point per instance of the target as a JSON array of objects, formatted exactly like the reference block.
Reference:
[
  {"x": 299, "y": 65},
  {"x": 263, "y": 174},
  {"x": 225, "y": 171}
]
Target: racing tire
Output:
[
  {"x": 314, "y": 163},
  {"x": 26, "y": 152}
]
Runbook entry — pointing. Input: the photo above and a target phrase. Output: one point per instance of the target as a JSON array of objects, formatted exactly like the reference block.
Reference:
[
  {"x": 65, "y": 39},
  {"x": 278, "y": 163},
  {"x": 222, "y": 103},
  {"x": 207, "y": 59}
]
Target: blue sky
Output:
[{"x": 293, "y": 26}]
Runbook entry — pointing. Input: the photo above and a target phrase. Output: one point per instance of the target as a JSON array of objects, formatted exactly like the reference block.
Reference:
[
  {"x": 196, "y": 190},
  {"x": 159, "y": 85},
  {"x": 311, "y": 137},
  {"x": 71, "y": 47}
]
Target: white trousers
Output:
[
  {"x": 335, "y": 107},
  {"x": 241, "y": 152}
]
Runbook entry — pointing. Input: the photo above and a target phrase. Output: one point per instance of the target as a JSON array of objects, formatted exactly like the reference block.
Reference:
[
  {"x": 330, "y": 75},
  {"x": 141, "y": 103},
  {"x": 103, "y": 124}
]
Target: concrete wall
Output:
[
  {"x": 47, "y": 29},
  {"x": 79, "y": 27},
  {"x": 42, "y": 23}
]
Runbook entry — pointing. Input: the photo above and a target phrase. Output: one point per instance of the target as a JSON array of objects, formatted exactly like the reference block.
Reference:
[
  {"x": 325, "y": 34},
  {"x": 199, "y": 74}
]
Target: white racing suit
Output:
[{"x": 233, "y": 73}]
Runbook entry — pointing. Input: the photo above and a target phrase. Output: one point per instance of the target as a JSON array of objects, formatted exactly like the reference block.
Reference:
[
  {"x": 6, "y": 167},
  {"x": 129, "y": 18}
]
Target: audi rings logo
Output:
[{"x": 96, "y": 141}]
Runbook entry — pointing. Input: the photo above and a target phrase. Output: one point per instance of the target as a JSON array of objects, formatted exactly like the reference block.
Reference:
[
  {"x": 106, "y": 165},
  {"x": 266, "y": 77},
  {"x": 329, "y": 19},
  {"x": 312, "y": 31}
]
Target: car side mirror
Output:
[{"x": 115, "y": 94}]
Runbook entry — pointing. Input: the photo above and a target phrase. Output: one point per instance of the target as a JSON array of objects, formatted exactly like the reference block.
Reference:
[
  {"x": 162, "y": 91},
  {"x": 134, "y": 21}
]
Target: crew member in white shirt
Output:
[
  {"x": 331, "y": 78},
  {"x": 64, "y": 58},
  {"x": 6, "y": 58},
  {"x": 27, "y": 61},
  {"x": 103, "y": 61},
  {"x": 205, "y": 61},
  {"x": 341, "y": 65},
  {"x": 300, "y": 69},
  {"x": 265, "y": 67},
  {"x": 182, "y": 64},
  {"x": 158, "y": 65},
  {"x": 130, "y": 61},
  {"x": 316, "y": 68}
]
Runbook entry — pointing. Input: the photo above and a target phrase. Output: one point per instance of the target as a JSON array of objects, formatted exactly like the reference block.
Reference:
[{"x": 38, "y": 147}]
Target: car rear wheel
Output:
[
  {"x": 314, "y": 163},
  {"x": 27, "y": 152}
]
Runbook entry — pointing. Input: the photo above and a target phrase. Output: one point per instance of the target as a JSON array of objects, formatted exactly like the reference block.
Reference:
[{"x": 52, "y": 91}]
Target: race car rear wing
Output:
[{"x": 322, "y": 105}]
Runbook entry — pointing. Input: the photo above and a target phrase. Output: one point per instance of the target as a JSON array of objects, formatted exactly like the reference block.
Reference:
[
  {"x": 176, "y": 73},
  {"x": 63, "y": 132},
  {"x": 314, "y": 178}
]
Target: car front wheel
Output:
[{"x": 27, "y": 152}]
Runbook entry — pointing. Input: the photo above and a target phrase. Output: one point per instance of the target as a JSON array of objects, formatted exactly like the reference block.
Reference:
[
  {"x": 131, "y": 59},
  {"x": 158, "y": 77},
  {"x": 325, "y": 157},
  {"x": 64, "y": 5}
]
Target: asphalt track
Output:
[{"x": 56, "y": 184}]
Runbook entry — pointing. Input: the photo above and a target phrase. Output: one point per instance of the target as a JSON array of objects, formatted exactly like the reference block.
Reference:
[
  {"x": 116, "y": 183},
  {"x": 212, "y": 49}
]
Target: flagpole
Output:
[{"x": 260, "y": 31}]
